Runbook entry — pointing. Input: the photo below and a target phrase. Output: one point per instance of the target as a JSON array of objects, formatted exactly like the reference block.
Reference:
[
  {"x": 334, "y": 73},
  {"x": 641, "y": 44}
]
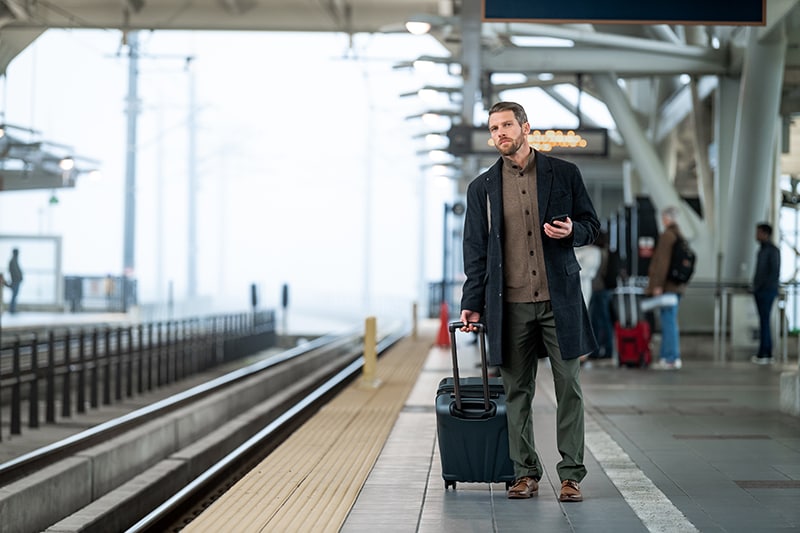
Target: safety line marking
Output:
[
  {"x": 654, "y": 509},
  {"x": 657, "y": 513}
]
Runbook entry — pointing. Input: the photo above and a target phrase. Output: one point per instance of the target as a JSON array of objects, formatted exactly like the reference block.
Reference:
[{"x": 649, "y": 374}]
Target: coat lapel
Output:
[
  {"x": 494, "y": 193},
  {"x": 544, "y": 182}
]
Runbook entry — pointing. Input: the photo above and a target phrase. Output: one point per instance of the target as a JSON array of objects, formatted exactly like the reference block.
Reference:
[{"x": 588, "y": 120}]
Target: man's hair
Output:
[
  {"x": 519, "y": 111},
  {"x": 765, "y": 228}
]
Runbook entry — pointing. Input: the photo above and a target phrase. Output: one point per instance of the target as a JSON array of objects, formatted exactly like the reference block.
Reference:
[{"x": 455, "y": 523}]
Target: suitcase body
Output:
[
  {"x": 632, "y": 331},
  {"x": 633, "y": 344},
  {"x": 471, "y": 425}
]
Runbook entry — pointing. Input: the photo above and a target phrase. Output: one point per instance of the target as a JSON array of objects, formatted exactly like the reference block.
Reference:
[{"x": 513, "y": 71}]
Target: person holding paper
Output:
[{"x": 659, "y": 283}]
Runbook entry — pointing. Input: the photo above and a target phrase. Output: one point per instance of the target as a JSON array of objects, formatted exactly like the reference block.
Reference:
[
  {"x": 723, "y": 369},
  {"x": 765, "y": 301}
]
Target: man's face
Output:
[{"x": 508, "y": 135}]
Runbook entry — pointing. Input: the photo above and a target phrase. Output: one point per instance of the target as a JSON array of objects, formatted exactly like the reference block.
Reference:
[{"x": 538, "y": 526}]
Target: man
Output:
[
  {"x": 659, "y": 283},
  {"x": 16, "y": 279},
  {"x": 765, "y": 289},
  {"x": 522, "y": 279}
]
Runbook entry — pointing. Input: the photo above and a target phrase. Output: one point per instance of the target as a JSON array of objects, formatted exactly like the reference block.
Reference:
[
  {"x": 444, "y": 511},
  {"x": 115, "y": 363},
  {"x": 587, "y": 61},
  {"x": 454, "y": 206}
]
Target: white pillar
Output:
[{"x": 752, "y": 168}]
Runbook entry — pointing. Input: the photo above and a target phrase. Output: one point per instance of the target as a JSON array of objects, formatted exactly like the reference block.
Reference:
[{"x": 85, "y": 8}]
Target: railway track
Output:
[{"x": 174, "y": 457}]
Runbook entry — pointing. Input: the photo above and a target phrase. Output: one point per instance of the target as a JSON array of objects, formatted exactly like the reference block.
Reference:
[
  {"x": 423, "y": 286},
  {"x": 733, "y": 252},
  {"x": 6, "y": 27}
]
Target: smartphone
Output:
[{"x": 561, "y": 218}]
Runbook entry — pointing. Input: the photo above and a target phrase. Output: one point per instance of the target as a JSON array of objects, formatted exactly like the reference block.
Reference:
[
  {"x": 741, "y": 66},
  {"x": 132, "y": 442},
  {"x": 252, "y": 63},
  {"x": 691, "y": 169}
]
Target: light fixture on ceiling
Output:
[
  {"x": 66, "y": 164},
  {"x": 422, "y": 23},
  {"x": 418, "y": 27}
]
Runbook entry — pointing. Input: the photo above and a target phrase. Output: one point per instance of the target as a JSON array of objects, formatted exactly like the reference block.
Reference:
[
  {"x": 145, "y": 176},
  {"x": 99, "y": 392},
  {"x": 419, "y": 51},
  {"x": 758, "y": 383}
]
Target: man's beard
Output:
[{"x": 510, "y": 148}]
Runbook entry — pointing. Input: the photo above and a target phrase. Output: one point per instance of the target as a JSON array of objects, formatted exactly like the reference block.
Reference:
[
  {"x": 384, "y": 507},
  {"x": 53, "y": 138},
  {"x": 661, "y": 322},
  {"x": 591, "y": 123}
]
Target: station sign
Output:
[
  {"x": 465, "y": 140},
  {"x": 716, "y": 12}
]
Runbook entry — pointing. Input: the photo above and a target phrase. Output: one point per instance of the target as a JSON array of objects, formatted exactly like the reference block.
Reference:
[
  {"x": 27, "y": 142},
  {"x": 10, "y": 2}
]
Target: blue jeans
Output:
[
  {"x": 600, "y": 314},
  {"x": 764, "y": 300},
  {"x": 670, "y": 336},
  {"x": 12, "y": 306}
]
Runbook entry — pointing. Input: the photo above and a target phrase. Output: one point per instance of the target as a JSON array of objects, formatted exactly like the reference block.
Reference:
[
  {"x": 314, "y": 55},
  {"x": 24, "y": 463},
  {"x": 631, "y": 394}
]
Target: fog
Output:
[
  {"x": 306, "y": 164},
  {"x": 306, "y": 167}
]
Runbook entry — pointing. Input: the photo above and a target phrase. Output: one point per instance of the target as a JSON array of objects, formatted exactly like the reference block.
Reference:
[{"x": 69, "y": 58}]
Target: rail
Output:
[
  {"x": 177, "y": 511},
  {"x": 79, "y": 367},
  {"x": 38, "y": 459},
  {"x": 296, "y": 381},
  {"x": 723, "y": 293}
]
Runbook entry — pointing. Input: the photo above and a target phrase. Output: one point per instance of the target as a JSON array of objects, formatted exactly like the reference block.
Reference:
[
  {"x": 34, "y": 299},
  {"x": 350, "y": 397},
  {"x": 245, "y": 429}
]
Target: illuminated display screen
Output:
[{"x": 584, "y": 141}]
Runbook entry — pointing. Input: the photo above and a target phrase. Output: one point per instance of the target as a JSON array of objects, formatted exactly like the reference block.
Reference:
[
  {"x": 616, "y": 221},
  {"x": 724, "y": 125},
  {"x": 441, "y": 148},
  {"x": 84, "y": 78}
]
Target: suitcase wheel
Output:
[{"x": 448, "y": 484}]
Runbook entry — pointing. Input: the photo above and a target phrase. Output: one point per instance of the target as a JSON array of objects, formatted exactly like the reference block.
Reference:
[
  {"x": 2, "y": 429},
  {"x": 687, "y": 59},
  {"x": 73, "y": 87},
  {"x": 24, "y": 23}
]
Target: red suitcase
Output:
[
  {"x": 632, "y": 331},
  {"x": 633, "y": 344}
]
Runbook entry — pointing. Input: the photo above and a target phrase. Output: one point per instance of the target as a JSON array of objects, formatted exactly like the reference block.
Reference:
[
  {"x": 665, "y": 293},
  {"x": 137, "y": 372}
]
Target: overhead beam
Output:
[
  {"x": 12, "y": 42},
  {"x": 776, "y": 14},
  {"x": 271, "y": 15},
  {"x": 593, "y": 60},
  {"x": 588, "y": 36},
  {"x": 679, "y": 107},
  {"x": 237, "y": 7},
  {"x": 641, "y": 150}
]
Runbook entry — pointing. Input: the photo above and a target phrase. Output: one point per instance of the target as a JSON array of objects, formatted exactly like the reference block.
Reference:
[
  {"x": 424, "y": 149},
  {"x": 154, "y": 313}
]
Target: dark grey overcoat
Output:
[{"x": 560, "y": 190}]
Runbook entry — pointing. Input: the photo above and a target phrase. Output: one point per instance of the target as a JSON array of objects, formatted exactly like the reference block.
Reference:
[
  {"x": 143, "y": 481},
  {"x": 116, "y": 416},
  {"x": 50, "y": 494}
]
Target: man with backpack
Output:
[{"x": 665, "y": 279}]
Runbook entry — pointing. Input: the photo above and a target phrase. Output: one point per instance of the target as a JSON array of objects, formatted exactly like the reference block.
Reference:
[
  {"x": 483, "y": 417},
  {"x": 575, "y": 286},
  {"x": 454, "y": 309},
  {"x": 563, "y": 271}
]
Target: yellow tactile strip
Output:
[{"x": 311, "y": 481}]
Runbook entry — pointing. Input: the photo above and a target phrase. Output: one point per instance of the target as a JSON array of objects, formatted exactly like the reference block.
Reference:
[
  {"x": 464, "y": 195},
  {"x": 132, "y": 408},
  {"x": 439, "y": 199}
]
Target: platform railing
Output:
[
  {"x": 87, "y": 367},
  {"x": 724, "y": 292}
]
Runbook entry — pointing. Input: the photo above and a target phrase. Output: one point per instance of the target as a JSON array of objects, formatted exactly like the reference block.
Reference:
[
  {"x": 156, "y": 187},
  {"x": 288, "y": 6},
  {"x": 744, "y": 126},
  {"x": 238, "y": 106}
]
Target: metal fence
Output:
[{"x": 72, "y": 370}]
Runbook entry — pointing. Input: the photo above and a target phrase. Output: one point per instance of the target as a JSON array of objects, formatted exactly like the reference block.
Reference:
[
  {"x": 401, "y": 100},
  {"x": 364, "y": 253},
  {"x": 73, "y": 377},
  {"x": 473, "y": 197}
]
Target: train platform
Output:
[{"x": 705, "y": 448}]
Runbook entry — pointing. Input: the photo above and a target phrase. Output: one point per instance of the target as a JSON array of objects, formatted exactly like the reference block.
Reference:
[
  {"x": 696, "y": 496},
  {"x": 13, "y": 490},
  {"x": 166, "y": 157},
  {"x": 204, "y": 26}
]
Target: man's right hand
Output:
[{"x": 468, "y": 318}]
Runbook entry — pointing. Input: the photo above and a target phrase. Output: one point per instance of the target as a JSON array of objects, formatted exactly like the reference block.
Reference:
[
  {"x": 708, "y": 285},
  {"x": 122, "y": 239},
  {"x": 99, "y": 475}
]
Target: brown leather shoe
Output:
[
  {"x": 570, "y": 491},
  {"x": 524, "y": 487}
]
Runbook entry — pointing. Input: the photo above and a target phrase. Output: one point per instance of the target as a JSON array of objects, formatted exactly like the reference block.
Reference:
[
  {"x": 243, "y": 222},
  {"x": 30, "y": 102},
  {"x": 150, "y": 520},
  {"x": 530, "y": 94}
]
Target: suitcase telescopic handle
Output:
[{"x": 484, "y": 366}]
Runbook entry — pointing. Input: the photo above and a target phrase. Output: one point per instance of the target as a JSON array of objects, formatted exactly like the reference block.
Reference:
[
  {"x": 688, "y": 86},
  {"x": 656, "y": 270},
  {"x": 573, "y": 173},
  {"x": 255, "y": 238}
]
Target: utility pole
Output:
[
  {"x": 191, "y": 267},
  {"x": 132, "y": 110}
]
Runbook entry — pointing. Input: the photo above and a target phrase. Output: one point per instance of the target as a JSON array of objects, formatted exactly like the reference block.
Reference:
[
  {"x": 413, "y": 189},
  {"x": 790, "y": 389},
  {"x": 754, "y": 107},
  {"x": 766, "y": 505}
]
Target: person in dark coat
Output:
[
  {"x": 15, "y": 279},
  {"x": 524, "y": 217},
  {"x": 765, "y": 289}
]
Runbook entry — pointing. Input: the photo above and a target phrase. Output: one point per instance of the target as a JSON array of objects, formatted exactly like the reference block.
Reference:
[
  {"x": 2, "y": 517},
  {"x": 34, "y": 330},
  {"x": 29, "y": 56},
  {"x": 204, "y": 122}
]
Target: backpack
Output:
[{"x": 682, "y": 261}]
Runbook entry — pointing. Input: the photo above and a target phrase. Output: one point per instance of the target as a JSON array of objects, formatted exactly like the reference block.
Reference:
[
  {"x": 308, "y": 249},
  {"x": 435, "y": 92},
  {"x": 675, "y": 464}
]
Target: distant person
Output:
[
  {"x": 589, "y": 258},
  {"x": 659, "y": 283},
  {"x": 108, "y": 288},
  {"x": 765, "y": 289},
  {"x": 525, "y": 215},
  {"x": 15, "y": 273},
  {"x": 603, "y": 286}
]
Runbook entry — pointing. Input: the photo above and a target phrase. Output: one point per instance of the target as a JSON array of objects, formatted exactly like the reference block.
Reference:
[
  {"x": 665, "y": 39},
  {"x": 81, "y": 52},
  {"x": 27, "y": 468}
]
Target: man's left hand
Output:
[{"x": 558, "y": 229}]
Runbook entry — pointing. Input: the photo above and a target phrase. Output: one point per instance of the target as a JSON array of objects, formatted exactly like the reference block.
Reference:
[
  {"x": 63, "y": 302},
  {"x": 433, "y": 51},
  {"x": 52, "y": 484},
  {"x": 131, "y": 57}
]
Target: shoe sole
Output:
[
  {"x": 571, "y": 498},
  {"x": 520, "y": 496}
]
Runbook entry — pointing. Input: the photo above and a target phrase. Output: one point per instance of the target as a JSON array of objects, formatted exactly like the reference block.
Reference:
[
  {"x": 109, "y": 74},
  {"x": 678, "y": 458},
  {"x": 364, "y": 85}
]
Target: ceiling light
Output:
[
  {"x": 527, "y": 41},
  {"x": 418, "y": 28}
]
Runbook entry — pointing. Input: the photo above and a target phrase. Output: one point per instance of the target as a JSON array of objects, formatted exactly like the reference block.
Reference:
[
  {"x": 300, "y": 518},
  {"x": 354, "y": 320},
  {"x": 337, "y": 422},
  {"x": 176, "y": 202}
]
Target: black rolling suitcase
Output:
[{"x": 471, "y": 424}]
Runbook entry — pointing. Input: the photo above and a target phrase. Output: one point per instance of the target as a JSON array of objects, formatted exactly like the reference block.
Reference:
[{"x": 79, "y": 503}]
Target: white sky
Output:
[{"x": 307, "y": 169}]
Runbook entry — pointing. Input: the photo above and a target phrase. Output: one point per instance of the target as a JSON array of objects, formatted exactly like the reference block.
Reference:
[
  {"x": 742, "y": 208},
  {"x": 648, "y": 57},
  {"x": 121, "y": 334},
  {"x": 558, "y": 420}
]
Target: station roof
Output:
[{"x": 626, "y": 49}]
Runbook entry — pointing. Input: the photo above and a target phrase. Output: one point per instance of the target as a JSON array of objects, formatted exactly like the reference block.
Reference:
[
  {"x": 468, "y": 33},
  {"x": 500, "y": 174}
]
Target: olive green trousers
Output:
[{"x": 530, "y": 334}]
